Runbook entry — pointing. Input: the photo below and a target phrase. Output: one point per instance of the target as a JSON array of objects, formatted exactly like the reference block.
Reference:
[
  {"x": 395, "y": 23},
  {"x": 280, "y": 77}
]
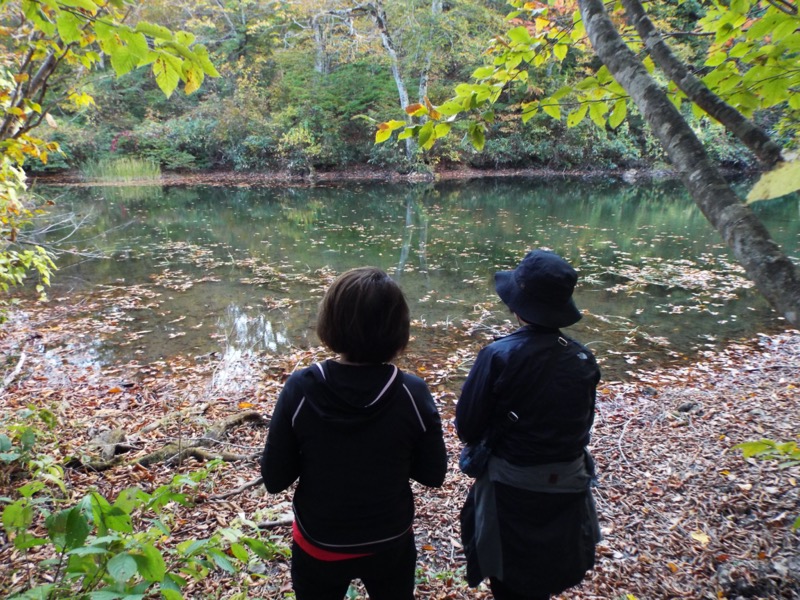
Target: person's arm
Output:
[
  {"x": 429, "y": 461},
  {"x": 280, "y": 463},
  {"x": 475, "y": 405}
]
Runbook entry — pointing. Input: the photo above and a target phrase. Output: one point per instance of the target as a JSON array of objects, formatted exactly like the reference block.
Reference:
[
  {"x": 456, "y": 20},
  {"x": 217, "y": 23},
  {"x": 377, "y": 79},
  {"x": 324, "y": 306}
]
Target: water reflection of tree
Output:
[{"x": 415, "y": 207}]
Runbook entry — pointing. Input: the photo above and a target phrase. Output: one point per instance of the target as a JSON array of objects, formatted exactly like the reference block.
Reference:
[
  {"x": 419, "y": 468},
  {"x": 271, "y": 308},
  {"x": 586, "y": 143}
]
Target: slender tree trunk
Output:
[
  {"x": 321, "y": 61},
  {"x": 767, "y": 151},
  {"x": 378, "y": 14},
  {"x": 765, "y": 263},
  {"x": 436, "y": 12}
]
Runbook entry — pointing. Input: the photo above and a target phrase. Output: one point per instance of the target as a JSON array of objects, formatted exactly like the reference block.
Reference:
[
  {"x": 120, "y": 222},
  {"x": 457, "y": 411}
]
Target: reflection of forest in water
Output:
[{"x": 245, "y": 267}]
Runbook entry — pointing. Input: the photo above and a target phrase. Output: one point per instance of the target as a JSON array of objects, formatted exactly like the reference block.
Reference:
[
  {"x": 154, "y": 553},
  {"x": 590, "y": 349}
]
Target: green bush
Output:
[
  {"x": 721, "y": 146},
  {"x": 96, "y": 548}
]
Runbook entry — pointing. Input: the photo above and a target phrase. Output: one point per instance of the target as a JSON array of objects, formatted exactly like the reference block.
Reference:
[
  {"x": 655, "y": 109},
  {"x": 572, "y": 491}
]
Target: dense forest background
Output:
[{"x": 303, "y": 85}]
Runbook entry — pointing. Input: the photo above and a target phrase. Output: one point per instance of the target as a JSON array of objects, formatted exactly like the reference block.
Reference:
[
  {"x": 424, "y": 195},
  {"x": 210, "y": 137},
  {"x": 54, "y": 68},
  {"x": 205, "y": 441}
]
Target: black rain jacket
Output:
[{"x": 354, "y": 437}]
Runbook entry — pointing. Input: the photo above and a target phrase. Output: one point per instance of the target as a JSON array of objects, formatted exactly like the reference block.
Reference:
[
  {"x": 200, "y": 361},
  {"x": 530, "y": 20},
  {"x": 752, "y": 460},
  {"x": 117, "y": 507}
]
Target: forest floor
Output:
[{"x": 683, "y": 514}]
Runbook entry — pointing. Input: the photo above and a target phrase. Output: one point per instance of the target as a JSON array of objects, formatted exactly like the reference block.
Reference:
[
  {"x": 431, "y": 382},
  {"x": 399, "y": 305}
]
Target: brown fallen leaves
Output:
[{"x": 683, "y": 514}]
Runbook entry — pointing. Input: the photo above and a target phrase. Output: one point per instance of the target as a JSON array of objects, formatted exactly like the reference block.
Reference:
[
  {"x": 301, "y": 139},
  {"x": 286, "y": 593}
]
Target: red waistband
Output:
[{"x": 317, "y": 552}]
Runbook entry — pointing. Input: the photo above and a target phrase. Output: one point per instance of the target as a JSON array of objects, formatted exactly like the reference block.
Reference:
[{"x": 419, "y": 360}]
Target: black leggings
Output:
[
  {"x": 501, "y": 592},
  {"x": 387, "y": 575}
]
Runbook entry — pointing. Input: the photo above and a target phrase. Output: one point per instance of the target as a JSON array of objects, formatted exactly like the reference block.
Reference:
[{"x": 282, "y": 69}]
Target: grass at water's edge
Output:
[{"x": 121, "y": 170}]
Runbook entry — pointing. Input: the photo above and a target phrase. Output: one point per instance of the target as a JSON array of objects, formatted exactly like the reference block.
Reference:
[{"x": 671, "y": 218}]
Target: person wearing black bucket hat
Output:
[
  {"x": 529, "y": 523},
  {"x": 540, "y": 290}
]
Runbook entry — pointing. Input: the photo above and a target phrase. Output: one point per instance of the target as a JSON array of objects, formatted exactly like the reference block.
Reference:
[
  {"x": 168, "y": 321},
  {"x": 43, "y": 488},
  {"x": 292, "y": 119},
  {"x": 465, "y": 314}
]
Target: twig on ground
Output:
[{"x": 238, "y": 490}]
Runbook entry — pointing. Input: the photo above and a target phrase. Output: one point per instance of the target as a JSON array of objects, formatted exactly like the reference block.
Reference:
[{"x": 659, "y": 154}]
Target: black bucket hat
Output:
[{"x": 540, "y": 290}]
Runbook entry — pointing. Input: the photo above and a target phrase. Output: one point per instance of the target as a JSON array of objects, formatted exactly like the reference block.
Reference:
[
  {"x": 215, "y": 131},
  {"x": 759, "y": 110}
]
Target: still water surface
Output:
[{"x": 213, "y": 269}]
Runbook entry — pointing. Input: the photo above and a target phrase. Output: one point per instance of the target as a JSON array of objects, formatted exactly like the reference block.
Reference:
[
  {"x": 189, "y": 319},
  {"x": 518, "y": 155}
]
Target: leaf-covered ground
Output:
[{"x": 683, "y": 514}]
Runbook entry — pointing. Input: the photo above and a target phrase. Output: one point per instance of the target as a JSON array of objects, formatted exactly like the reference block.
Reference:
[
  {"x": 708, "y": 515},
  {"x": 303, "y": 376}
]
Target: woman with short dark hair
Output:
[
  {"x": 364, "y": 317},
  {"x": 353, "y": 432}
]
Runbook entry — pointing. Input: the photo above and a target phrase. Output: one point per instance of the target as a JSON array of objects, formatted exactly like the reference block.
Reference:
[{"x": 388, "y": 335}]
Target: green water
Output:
[{"x": 205, "y": 269}]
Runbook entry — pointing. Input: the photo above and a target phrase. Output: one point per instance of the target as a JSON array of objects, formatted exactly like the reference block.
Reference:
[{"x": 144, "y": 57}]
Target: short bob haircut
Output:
[{"x": 364, "y": 317}]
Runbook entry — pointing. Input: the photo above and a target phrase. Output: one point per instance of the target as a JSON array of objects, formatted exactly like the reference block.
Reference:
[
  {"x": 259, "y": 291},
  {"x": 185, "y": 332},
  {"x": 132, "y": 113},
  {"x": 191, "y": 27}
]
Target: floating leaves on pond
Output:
[
  {"x": 652, "y": 273},
  {"x": 272, "y": 303}
]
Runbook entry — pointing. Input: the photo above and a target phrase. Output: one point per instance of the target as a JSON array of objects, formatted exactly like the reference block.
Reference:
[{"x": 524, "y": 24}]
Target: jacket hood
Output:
[{"x": 351, "y": 394}]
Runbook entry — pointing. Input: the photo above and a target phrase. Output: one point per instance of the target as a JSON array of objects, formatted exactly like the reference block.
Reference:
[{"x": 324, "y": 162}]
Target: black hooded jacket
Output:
[{"x": 354, "y": 436}]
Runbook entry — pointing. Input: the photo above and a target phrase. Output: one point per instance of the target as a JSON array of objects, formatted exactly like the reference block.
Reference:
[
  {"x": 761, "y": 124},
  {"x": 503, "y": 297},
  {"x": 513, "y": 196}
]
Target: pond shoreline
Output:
[
  {"x": 358, "y": 173},
  {"x": 366, "y": 173}
]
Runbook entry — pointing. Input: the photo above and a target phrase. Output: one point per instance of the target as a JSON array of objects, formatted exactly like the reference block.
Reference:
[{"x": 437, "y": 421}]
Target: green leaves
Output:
[
  {"x": 18, "y": 515},
  {"x": 577, "y": 115},
  {"x": 618, "y": 113},
  {"x": 771, "y": 450},
  {"x": 554, "y": 110},
  {"x": 157, "y": 32},
  {"x": 385, "y": 130},
  {"x": 86, "y": 5},
  {"x": 752, "y": 64},
  {"x": 519, "y": 35},
  {"x": 171, "y": 57},
  {"x": 477, "y": 136},
  {"x": 68, "y": 529},
  {"x": 753, "y": 60},
  {"x": 122, "y": 567},
  {"x": 788, "y": 453},
  {"x": 69, "y": 27},
  {"x": 167, "y": 71},
  {"x": 101, "y": 544},
  {"x": 781, "y": 181}
]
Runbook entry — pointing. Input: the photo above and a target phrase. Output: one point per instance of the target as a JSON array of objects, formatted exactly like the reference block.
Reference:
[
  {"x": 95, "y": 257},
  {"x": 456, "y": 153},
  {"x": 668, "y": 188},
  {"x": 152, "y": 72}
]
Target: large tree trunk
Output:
[
  {"x": 772, "y": 271},
  {"x": 748, "y": 132}
]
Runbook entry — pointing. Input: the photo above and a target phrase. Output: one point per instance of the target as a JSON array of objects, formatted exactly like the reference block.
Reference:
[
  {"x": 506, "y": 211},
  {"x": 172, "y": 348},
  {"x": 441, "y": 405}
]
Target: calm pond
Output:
[{"x": 194, "y": 270}]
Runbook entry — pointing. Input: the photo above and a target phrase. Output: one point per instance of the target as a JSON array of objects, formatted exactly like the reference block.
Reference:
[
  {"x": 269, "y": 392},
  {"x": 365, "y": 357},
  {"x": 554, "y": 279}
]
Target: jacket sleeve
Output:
[
  {"x": 476, "y": 405},
  {"x": 429, "y": 460},
  {"x": 280, "y": 463}
]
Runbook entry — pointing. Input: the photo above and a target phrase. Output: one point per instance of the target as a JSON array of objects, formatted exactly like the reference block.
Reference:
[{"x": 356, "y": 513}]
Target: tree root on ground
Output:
[{"x": 176, "y": 452}]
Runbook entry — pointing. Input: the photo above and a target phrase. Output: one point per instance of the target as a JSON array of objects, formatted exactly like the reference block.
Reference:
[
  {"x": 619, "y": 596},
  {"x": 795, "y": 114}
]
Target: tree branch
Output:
[
  {"x": 13, "y": 375},
  {"x": 242, "y": 488},
  {"x": 766, "y": 264},
  {"x": 784, "y": 6},
  {"x": 755, "y": 138}
]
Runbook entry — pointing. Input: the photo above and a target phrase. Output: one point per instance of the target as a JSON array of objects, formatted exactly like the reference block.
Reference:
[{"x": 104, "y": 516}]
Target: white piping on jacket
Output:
[
  {"x": 378, "y": 397},
  {"x": 416, "y": 410},
  {"x": 297, "y": 412},
  {"x": 386, "y": 387}
]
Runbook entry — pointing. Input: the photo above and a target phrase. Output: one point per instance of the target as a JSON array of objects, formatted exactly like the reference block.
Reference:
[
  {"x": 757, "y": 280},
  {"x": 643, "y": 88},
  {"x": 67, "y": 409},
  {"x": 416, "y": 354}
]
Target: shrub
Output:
[{"x": 100, "y": 548}]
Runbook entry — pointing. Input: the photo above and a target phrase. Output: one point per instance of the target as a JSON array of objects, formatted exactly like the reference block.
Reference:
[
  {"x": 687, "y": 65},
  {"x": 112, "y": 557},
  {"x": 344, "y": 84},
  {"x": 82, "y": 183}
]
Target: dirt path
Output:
[{"x": 683, "y": 514}]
